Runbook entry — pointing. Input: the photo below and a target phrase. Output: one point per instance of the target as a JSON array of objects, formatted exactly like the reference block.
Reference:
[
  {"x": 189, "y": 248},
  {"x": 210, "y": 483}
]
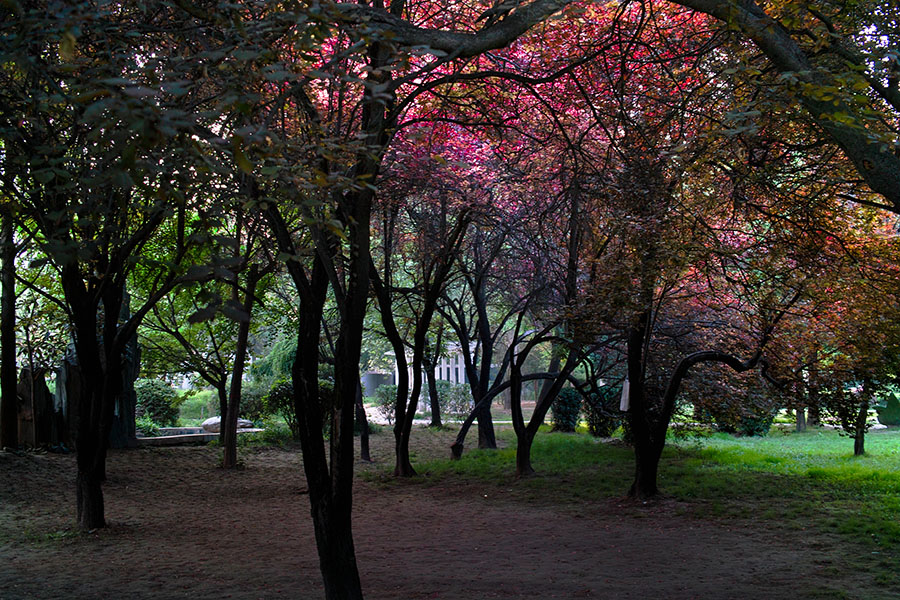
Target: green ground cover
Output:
[{"x": 806, "y": 481}]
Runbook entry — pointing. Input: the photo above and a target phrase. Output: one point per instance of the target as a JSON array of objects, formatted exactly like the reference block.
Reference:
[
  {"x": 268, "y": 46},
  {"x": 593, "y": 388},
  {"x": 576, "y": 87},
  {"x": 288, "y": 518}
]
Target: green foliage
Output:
[
  {"x": 253, "y": 406},
  {"x": 386, "y": 402},
  {"x": 199, "y": 405},
  {"x": 276, "y": 365},
  {"x": 784, "y": 477},
  {"x": 146, "y": 426},
  {"x": 274, "y": 433},
  {"x": 889, "y": 411},
  {"x": 455, "y": 399},
  {"x": 157, "y": 400},
  {"x": 602, "y": 412},
  {"x": 280, "y": 401},
  {"x": 746, "y": 420},
  {"x": 566, "y": 409}
]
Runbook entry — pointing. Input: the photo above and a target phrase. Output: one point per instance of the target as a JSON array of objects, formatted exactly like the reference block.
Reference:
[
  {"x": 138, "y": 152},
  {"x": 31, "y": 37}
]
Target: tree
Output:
[
  {"x": 8, "y": 399},
  {"x": 94, "y": 168}
]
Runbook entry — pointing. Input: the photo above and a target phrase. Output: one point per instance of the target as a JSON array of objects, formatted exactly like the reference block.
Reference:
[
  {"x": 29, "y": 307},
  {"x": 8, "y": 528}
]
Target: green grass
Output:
[
  {"x": 799, "y": 481},
  {"x": 200, "y": 405},
  {"x": 802, "y": 480}
]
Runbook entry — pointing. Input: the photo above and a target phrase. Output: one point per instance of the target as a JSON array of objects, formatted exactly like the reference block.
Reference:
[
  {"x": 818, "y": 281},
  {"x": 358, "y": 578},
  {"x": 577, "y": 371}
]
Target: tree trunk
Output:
[
  {"x": 363, "y": 423},
  {"x": 646, "y": 454},
  {"x": 646, "y": 470},
  {"x": 89, "y": 497},
  {"x": 222, "y": 394},
  {"x": 433, "y": 397},
  {"x": 801, "y": 419},
  {"x": 859, "y": 437},
  {"x": 486, "y": 438},
  {"x": 8, "y": 397},
  {"x": 337, "y": 556},
  {"x": 228, "y": 423},
  {"x": 523, "y": 453}
]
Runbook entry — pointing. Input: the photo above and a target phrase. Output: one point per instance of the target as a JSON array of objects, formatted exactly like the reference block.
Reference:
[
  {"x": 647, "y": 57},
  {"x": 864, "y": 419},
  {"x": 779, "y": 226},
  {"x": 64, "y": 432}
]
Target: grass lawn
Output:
[{"x": 804, "y": 482}]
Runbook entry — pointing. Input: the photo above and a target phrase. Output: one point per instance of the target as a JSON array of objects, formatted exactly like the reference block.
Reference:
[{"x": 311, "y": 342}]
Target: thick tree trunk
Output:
[
  {"x": 523, "y": 454},
  {"x": 89, "y": 498},
  {"x": 646, "y": 470},
  {"x": 646, "y": 461},
  {"x": 801, "y": 419},
  {"x": 402, "y": 464},
  {"x": 337, "y": 556},
  {"x": 487, "y": 440},
  {"x": 8, "y": 397}
]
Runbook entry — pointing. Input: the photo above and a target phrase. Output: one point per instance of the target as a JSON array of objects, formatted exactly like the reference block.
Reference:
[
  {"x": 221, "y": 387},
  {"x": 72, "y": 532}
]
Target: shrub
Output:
[
  {"x": 565, "y": 409},
  {"x": 756, "y": 424},
  {"x": 253, "y": 407},
  {"x": 455, "y": 399},
  {"x": 157, "y": 400},
  {"x": 146, "y": 426},
  {"x": 750, "y": 421},
  {"x": 386, "y": 402},
  {"x": 280, "y": 401},
  {"x": 602, "y": 412},
  {"x": 889, "y": 411}
]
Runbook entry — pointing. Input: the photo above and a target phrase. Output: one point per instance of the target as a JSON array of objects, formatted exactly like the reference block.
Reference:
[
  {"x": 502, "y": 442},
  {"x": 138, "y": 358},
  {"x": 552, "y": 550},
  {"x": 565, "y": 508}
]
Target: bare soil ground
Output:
[{"x": 180, "y": 527}]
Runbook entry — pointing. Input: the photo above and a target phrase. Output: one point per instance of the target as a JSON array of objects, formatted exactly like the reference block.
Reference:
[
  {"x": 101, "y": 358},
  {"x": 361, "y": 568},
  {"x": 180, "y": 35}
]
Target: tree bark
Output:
[
  {"x": 222, "y": 395},
  {"x": 523, "y": 454},
  {"x": 801, "y": 419},
  {"x": 230, "y": 418},
  {"x": 859, "y": 437},
  {"x": 363, "y": 424},
  {"x": 433, "y": 397},
  {"x": 330, "y": 503},
  {"x": 8, "y": 397},
  {"x": 402, "y": 465}
]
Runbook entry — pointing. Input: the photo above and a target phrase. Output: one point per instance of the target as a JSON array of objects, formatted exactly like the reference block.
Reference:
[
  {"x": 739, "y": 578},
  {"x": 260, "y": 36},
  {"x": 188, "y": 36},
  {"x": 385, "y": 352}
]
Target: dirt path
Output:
[{"x": 183, "y": 528}]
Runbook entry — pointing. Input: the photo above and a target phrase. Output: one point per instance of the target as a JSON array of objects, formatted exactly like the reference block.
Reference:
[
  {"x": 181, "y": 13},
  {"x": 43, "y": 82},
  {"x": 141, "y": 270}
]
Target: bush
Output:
[
  {"x": 253, "y": 408},
  {"x": 602, "y": 412},
  {"x": 757, "y": 424},
  {"x": 752, "y": 421},
  {"x": 146, "y": 426},
  {"x": 889, "y": 411},
  {"x": 280, "y": 401},
  {"x": 455, "y": 399},
  {"x": 566, "y": 408},
  {"x": 157, "y": 400},
  {"x": 386, "y": 402}
]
